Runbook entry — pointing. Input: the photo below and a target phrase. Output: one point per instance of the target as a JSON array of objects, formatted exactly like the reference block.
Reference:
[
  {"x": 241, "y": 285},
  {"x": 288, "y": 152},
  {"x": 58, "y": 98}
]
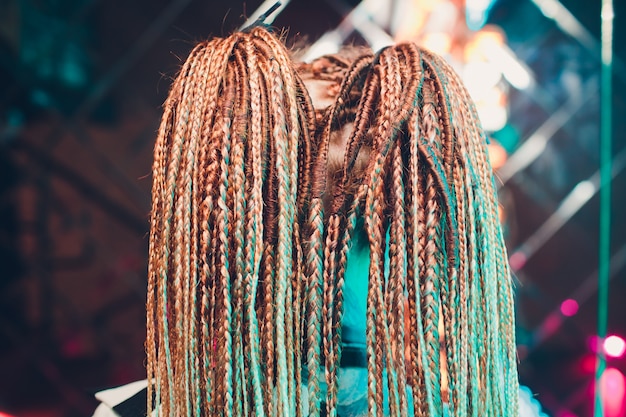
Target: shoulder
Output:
[
  {"x": 528, "y": 404},
  {"x": 128, "y": 400}
]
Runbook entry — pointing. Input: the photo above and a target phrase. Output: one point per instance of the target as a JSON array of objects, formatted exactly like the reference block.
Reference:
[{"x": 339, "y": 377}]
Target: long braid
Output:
[
  {"x": 239, "y": 217},
  {"x": 215, "y": 170},
  {"x": 240, "y": 178},
  {"x": 254, "y": 229},
  {"x": 456, "y": 128},
  {"x": 328, "y": 307},
  {"x": 450, "y": 174},
  {"x": 378, "y": 338},
  {"x": 169, "y": 176},
  {"x": 224, "y": 381},
  {"x": 386, "y": 129},
  {"x": 267, "y": 327},
  {"x": 505, "y": 353},
  {"x": 314, "y": 290},
  {"x": 155, "y": 249},
  {"x": 477, "y": 263},
  {"x": 449, "y": 300},
  {"x": 283, "y": 249},
  {"x": 298, "y": 283},
  {"x": 192, "y": 287},
  {"x": 431, "y": 272},
  {"x": 377, "y": 270},
  {"x": 460, "y": 377},
  {"x": 266, "y": 307},
  {"x": 455, "y": 304},
  {"x": 307, "y": 127},
  {"x": 422, "y": 397},
  {"x": 396, "y": 285},
  {"x": 398, "y": 249},
  {"x": 430, "y": 287},
  {"x": 209, "y": 165}
]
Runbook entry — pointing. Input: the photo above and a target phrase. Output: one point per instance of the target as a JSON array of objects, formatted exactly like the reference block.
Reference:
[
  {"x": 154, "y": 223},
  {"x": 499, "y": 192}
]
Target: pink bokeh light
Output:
[
  {"x": 569, "y": 307},
  {"x": 593, "y": 343},
  {"x": 613, "y": 385}
]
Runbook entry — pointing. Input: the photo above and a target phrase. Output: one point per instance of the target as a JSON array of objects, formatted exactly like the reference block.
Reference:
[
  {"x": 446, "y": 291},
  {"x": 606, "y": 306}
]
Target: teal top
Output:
[
  {"x": 352, "y": 382},
  {"x": 355, "y": 292}
]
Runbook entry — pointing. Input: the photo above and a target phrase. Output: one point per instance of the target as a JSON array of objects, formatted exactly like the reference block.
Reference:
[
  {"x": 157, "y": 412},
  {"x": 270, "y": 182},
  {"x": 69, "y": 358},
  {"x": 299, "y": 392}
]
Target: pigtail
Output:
[{"x": 225, "y": 244}]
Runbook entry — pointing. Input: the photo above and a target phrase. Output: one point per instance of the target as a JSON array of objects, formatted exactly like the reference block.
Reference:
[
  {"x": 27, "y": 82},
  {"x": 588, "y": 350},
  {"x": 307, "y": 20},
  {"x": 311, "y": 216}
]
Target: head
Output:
[{"x": 265, "y": 173}]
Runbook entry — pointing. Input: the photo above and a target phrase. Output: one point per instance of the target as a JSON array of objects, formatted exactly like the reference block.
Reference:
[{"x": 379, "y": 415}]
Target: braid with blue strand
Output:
[{"x": 258, "y": 200}]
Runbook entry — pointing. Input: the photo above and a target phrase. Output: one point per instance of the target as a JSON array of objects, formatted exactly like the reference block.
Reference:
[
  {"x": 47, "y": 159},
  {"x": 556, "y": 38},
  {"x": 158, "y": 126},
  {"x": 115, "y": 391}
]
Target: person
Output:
[{"x": 324, "y": 241}]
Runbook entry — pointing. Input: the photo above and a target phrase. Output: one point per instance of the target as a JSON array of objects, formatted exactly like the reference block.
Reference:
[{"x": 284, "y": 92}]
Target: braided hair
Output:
[{"x": 257, "y": 199}]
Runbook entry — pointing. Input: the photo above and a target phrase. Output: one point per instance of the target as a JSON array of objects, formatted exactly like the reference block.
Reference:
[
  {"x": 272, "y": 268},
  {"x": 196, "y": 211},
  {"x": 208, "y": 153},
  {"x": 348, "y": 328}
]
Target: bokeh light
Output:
[
  {"x": 593, "y": 342},
  {"x": 588, "y": 363},
  {"x": 613, "y": 385},
  {"x": 569, "y": 307},
  {"x": 614, "y": 346}
]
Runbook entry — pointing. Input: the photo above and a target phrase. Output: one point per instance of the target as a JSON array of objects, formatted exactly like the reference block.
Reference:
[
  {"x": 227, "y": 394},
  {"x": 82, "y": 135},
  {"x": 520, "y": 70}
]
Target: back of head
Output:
[{"x": 258, "y": 199}]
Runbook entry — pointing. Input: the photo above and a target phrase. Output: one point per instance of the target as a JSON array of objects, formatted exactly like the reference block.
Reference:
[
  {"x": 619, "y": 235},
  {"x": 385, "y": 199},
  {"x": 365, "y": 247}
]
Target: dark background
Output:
[{"x": 81, "y": 85}]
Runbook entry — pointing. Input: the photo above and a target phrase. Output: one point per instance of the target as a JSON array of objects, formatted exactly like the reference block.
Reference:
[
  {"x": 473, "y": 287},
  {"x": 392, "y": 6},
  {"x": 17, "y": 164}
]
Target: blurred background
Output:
[{"x": 81, "y": 88}]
